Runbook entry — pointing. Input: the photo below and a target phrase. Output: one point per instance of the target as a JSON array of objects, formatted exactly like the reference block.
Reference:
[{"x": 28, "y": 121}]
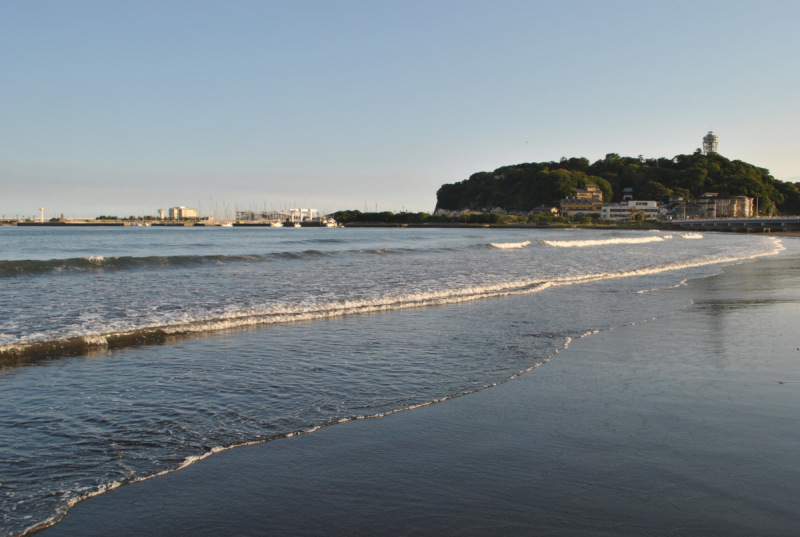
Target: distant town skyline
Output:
[{"x": 129, "y": 108}]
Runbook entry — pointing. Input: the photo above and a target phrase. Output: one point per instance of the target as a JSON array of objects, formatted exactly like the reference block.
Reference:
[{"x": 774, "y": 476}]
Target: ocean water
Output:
[{"x": 130, "y": 352}]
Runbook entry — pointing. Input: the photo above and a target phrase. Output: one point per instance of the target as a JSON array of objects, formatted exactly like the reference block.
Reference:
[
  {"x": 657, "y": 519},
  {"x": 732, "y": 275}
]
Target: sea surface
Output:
[{"x": 129, "y": 352}]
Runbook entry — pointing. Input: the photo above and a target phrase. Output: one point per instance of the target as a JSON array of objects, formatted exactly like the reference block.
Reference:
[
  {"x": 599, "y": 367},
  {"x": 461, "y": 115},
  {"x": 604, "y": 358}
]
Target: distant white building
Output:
[
  {"x": 302, "y": 215},
  {"x": 178, "y": 213},
  {"x": 162, "y": 213},
  {"x": 293, "y": 215},
  {"x": 622, "y": 211}
]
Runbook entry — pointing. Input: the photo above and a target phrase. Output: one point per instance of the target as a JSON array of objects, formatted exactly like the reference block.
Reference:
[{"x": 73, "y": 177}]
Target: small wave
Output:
[
  {"x": 382, "y": 251},
  {"x": 603, "y": 242},
  {"x": 510, "y": 245},
  {"x": 312, "y": 241},
  {"x": 285, "y": 314},
  {"x": 100, "y": 263},
  {"x": 691, "y": 235},
  {"x": 88, "y": 492}
]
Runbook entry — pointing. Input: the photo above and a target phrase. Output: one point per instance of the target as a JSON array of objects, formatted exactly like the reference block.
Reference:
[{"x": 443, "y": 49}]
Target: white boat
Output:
[
  {"x": 296, "y": 224},
  {"x": 275, "y": 224},
  {"x": 227, "y": 225}
]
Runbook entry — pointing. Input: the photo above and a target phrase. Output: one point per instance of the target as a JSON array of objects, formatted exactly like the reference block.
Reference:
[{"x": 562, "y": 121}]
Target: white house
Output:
[{"x": 622, "y": 211}]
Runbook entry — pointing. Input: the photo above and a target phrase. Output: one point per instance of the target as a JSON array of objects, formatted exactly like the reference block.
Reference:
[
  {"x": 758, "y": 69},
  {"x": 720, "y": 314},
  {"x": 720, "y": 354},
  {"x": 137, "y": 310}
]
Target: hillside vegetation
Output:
[{"x": 524, "y": 186}]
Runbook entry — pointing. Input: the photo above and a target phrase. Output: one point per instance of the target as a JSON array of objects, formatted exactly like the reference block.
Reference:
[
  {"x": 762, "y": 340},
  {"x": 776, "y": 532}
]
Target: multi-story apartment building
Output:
[
  {"x": 591, "y": 192},
  {"x": 580, "y": 207},
  {"x": 182, "y": 212},
  {"x": 722, "y": 204},
  {"x": 587, "y": 201},
  {"x": 624, "y": 210}
]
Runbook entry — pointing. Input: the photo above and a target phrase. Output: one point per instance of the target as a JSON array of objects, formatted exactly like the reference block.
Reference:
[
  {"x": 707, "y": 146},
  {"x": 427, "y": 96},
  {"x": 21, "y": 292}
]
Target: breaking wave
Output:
[
  {"x": 602, "y": 242},
  {"x": 691, "y": 235},
  {"x": 510, "y": 245},
  {"x": 284, "y": 314}
]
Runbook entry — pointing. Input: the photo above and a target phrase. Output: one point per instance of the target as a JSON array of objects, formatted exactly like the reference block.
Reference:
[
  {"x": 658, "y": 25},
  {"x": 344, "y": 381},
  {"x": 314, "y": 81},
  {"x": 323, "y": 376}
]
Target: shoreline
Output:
[{"x": 168, "y": 493}]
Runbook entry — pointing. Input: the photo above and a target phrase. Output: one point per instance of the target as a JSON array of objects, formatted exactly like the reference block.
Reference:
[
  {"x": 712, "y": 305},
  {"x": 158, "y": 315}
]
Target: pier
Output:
[{"x": 763, "y": 224}]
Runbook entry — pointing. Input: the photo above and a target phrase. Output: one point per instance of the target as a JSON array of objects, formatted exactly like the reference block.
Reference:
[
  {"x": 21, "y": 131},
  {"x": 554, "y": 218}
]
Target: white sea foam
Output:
[
  {"x": 691, "y": 235},
  {"x": 95, "y": 259},
  {"x": 510, "y": 245},
  {"x": 268, "y": 314},
  {"x": 603, "y": 242},
  {"x": 284, "y": 314}
]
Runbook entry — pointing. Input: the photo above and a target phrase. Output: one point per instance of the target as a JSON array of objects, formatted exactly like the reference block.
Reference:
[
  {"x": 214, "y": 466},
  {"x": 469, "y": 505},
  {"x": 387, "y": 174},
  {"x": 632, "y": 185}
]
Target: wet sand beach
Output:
[{"x": 685, "y": 425}]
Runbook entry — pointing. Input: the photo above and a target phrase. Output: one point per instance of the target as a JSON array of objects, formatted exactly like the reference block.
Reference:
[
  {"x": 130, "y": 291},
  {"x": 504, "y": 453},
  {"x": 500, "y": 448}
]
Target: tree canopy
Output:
[{"x": 522, "y": 187}]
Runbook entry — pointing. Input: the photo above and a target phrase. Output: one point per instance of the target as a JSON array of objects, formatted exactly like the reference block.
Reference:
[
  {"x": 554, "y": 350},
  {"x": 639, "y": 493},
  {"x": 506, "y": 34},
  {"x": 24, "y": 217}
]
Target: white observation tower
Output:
[{"x": 710, "y": 143}]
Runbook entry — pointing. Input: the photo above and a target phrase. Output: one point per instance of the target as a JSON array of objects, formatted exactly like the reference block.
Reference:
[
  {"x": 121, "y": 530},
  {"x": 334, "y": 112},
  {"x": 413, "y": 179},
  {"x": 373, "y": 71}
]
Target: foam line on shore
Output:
[{"x": 188, "y": 461}]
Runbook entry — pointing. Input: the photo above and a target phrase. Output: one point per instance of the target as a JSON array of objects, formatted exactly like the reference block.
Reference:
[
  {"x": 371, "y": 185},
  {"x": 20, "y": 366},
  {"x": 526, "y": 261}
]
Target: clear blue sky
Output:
[{"x": 111, "y": 107}]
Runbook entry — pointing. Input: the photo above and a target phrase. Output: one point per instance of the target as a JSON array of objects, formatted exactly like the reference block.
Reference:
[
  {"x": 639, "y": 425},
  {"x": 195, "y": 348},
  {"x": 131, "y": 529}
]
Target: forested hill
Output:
[{"x": 524, "y": 186}]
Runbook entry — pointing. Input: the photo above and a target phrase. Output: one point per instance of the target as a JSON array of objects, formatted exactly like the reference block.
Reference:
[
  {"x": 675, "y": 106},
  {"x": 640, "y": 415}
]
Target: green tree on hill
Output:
[{"x": 524, "y": 186}]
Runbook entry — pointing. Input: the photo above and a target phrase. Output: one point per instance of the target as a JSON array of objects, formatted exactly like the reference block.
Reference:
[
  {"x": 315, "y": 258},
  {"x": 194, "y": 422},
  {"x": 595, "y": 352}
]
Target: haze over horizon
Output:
[{"x": 118, "y": 108}]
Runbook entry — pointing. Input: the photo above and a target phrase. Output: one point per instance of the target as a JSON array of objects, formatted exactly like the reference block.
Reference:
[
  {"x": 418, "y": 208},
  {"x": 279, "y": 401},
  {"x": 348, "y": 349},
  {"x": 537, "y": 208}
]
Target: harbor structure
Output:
[
  {"x": 179, "y": 213},
  {"x": 293, "y": 215},
  {"x": 303, "y": 215},
  {"x": 710, "y": 143}
]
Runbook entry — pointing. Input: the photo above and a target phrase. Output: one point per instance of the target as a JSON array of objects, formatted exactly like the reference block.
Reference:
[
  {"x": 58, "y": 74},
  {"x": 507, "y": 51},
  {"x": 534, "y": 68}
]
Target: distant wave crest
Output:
[
  {"x": 97, "y": 263},
  {"x": 510, "y": 245},
  {"x": 603, "y": 242}
]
